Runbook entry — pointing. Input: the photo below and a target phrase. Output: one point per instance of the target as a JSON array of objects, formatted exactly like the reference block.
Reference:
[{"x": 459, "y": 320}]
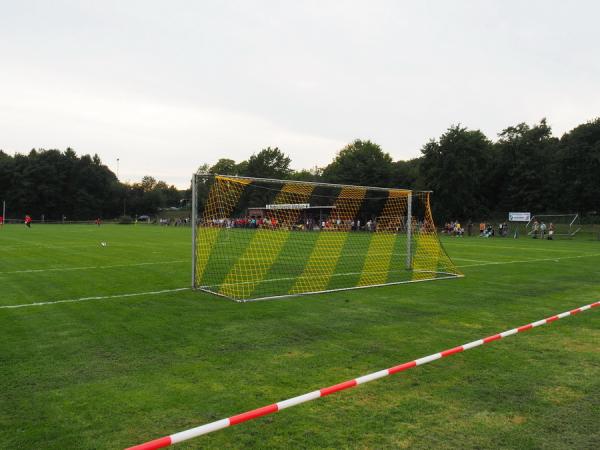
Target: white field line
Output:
[
  {"x": 529, "y": 260},
  {"x": 65, "y": 269},
  {"x": 99, "y": 297},
  {"x": 118, "y": 245},
  {"x": 470, "y": 260},
  {"x": 136, "y": 294},
  {"x": 462, "y": 244}
]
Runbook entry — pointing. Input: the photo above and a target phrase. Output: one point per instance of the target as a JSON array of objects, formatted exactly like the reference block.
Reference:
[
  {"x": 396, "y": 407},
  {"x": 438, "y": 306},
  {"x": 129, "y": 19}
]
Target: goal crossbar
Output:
[{"x": 298, "y": 182}]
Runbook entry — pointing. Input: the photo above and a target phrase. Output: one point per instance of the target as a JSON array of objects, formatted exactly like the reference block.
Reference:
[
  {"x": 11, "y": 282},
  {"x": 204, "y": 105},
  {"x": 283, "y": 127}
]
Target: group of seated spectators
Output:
[
  {"x": 453, "y": 228},
  {"x": 387, "y": 224},
  {"x": 303, "y": 224},
  {"x": 487, "y": 230},
  {"x": 310, "y": 224},
  {"x": 177, "y": 222}
]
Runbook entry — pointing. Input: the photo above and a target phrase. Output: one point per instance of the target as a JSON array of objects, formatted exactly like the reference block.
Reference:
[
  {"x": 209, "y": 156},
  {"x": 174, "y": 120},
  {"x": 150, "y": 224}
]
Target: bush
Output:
[{"x": 125, "y": 220}]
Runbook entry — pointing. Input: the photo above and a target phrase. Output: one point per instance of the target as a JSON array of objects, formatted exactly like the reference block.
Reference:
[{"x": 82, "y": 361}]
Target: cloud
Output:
[
  {"x": 166, "y": 86},
  {"x": 165, "y": 140}
]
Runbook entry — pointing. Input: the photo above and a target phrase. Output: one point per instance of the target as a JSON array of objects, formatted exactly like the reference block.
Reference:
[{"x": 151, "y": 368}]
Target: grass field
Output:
[
  {"x": 251, "y": 264},
  {"x": 122, "y": 364}
]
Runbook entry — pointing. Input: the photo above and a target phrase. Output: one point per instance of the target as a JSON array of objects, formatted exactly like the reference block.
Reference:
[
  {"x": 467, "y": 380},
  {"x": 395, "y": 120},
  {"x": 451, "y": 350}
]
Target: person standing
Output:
[
  {"x": 27, "y": 221},
  {"x": 542, "y": 230},
  {"x": 551, "y": 231}
]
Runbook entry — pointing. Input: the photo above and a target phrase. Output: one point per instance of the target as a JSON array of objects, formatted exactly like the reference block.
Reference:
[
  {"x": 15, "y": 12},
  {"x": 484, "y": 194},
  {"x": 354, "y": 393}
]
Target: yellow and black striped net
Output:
[{"x": 259, "y": 238}]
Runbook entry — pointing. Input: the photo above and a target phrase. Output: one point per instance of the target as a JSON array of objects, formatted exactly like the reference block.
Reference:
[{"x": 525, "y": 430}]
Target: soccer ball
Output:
[{"x": 103, "y": 244}]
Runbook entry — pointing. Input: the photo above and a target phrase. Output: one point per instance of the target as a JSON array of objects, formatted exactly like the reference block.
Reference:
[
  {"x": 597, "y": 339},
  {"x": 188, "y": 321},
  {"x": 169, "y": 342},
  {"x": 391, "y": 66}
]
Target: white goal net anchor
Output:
[{"x": 550, "y": 226}]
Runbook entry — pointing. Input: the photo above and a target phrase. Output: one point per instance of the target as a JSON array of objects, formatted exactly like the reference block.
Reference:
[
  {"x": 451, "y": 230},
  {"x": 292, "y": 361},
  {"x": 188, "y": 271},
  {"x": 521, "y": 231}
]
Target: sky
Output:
[{"x": 165, "y": 86}]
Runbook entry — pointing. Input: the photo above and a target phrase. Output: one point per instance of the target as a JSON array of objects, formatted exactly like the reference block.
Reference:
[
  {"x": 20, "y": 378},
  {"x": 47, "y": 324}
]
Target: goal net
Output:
[
  {"x": 552, "y": 226},
  {"x": 260, "y": 238}
]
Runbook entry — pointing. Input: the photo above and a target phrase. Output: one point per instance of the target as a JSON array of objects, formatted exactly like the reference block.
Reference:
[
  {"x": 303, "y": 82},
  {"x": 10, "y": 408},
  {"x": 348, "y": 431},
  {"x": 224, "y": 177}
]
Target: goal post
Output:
[
  {"x": 550, "y": 226},
  {"x": 256, "y": 238}
]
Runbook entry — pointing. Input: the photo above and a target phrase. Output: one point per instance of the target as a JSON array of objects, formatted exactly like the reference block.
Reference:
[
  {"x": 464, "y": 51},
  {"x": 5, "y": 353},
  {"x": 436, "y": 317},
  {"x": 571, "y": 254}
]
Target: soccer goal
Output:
[
  {"x": 551, "y": 226},
  {"x": 257, "y": 238}
]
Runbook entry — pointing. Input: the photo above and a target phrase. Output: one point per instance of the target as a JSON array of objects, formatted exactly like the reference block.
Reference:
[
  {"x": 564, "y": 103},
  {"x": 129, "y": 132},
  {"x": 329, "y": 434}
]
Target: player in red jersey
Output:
[{"x": 28, "y": 221}]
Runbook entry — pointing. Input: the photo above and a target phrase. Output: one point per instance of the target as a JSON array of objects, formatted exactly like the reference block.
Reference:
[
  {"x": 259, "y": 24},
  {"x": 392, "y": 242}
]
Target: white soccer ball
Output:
[{"x": 103, "y": 244}]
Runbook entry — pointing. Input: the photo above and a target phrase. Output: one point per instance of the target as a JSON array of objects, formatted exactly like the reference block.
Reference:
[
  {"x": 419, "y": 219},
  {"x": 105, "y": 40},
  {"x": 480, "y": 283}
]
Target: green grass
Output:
[
  {"x": 113, "y": 372},
  {"x": 234, "y": 245}
]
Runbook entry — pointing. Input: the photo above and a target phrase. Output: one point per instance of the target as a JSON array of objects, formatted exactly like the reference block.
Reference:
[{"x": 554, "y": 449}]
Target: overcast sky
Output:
[{"x": 168, "y": 85}]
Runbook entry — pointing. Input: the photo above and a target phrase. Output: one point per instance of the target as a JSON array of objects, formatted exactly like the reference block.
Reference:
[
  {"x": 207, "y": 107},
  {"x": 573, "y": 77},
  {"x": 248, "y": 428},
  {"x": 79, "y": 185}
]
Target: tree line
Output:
[
  {"x": 472, "y": 177},
  {"x": 55, "y": 185},
  {"x": 525, "y": 168}
]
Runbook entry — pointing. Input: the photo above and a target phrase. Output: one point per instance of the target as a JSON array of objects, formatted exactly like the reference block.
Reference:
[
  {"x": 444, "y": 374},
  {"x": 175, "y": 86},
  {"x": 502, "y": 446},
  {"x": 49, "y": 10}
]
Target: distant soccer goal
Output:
[
  {"x": 553, "y": 226},
  {"x": 257, "y": 238}
]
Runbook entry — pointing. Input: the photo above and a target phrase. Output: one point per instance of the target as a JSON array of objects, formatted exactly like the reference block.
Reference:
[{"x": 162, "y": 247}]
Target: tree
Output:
[
  {"x": 525, "y": 168},
  {"x": 225, "y": 166},
  {"x": 362, "y": 163},
  {"x": 268, "y": 163},
  {"x": 406, "y": 173},
  {"x": 455, "y": 168},
  {"x": 7, "y": 170},
  {"x": 313, "y": 174},
  {"x": 53, "y": 183},
  {"x": 204, "y": 168},
  {"x": 148, "y": 183},
  {"x": 579, "y": 167},
  {"x": 149, "y": 195}
]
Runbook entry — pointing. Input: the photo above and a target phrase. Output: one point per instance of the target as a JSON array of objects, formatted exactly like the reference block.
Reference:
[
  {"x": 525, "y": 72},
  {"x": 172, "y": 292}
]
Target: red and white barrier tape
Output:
[{"x": 249, "y": 415}]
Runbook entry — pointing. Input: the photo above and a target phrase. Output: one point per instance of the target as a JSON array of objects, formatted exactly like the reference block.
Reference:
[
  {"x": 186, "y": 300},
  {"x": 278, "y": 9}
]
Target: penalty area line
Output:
[
  {"x": 67, "y": 269},
  {"x": 98, "y": 297},
  {"x": 499, "y": 263}
]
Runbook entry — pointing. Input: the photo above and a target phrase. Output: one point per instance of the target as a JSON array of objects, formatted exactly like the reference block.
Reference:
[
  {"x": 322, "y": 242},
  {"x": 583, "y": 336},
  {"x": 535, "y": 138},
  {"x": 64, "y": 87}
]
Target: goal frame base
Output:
[{"x": 446, "y": 276}]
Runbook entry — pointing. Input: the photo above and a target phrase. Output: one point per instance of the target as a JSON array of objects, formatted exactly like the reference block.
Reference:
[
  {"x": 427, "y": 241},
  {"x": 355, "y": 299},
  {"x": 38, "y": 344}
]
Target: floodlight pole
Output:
[
  {"x": 194, "y": 195},
  {"x": 409, "y": 230}
]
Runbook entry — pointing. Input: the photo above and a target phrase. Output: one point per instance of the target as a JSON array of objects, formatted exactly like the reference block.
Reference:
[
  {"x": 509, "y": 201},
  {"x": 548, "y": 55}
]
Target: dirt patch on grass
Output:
[
  {"x": 518, "y": 420},
  {"x": 296, "y": 354},
  {"x": 559, "y": 395},
  {"x": 475, "y": 326},
  {"x": 495, "y": 420}
]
